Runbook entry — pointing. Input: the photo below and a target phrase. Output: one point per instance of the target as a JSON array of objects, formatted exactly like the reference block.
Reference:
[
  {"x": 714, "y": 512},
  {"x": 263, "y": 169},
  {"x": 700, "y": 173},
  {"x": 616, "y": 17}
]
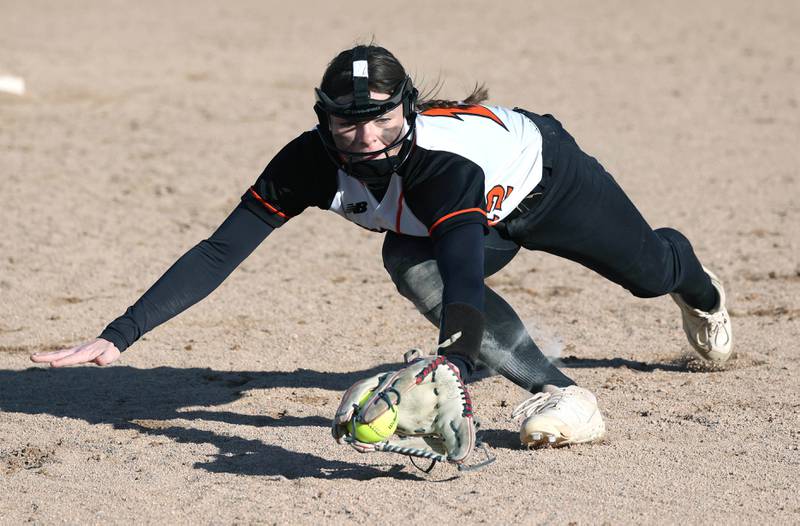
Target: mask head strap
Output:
[{"x": 360, "y": 78}]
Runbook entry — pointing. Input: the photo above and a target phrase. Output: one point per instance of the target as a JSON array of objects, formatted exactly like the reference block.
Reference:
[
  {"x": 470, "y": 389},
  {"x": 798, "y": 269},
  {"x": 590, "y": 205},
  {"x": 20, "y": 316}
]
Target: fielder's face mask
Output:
[{"x": 374, "y": 172}]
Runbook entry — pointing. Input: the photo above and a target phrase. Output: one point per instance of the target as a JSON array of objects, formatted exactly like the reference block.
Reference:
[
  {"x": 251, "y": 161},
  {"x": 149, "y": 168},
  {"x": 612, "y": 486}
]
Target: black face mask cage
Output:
[
  {"x": 405, "y": 94},
  {"x": 364, "y": 108}
]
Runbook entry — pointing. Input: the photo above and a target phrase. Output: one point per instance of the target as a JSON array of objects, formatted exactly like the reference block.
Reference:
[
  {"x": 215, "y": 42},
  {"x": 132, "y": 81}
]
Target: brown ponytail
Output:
[{"x": 427, "y": 100}]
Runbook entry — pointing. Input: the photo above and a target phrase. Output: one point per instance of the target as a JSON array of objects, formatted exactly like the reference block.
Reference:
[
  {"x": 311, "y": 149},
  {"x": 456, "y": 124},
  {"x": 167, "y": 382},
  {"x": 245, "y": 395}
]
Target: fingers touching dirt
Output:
[{"x": 98, "y": 351}]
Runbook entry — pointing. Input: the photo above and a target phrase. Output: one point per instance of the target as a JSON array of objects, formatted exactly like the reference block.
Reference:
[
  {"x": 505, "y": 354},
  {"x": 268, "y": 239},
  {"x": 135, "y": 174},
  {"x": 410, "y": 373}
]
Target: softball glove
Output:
[{"x": 435, "y": 419}]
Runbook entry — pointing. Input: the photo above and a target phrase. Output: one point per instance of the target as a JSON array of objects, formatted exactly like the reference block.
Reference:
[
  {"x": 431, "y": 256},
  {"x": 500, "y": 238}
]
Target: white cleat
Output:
[
  {"x": 567, "y": 416},
  {"x": 709, "y": 333}
]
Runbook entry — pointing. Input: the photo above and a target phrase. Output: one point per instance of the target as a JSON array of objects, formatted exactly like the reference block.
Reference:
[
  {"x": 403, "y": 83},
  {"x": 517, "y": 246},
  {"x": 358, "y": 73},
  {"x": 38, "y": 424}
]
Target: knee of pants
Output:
[
  {"x": 678, "y": 241},
  {"x": 420, "y": 283},
  {"x": 661, "y": 268}
]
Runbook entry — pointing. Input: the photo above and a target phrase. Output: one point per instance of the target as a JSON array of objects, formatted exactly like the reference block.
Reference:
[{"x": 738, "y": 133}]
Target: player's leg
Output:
[
  {"x": 586, "y": 217},
  {"x": 560, "y": 412},
  {"x": 506, "y": 348}
]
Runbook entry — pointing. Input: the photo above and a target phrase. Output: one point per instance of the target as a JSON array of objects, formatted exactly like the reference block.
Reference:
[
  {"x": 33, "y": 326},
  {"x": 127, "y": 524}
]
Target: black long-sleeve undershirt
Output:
[
  {"x": 190, "y": 279},
  {"x": 459, "y": 255},
  {"x": 460, "y": 258},
  {"x": 206, "y": 265}
]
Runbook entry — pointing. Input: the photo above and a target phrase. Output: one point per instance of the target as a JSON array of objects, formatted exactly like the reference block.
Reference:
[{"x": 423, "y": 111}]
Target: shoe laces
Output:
[
  {"x": 537, "y": 403},
  {"x": 714, "y": 324}
]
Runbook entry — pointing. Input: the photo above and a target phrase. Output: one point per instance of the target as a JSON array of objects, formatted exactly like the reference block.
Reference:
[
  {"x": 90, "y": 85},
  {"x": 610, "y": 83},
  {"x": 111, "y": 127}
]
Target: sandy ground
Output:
[{"x": 145, "y": 121}]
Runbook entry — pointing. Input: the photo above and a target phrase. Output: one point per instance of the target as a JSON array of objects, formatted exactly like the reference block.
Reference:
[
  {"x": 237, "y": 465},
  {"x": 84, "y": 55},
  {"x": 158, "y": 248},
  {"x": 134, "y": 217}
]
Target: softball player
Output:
[{"x": 458, "y": 188}]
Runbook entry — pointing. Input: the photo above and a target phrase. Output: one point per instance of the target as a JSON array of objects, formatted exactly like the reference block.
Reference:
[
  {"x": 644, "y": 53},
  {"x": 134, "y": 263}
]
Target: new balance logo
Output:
[{"x": 356, "y": 208}]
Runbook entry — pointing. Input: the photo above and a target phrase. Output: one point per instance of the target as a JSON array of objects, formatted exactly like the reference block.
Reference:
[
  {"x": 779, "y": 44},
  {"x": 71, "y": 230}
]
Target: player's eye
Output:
[{"x": 343, "y": 127}]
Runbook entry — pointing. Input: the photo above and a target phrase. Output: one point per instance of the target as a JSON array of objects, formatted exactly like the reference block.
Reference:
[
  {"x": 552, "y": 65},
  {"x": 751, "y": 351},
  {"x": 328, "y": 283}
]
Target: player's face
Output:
[{"x": 368, "y": 136}]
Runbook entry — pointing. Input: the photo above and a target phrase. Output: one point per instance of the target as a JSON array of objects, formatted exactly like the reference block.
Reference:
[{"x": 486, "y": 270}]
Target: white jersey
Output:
[
  {"x": 504, "y": 143},
  {"x": 467, "y": 161},
  {"x": 354, "y": 202}
]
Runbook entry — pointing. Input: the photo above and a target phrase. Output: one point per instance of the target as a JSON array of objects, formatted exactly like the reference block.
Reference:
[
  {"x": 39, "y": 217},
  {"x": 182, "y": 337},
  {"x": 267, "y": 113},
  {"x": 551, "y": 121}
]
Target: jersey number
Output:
[{"x": 494, "y": 200}]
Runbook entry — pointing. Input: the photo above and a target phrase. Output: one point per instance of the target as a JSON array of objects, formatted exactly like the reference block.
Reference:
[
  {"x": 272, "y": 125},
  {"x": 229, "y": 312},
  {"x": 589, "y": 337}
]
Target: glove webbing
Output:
[
  {"x": 411, "y": 451},
  {"x": 436, "y": 457}
]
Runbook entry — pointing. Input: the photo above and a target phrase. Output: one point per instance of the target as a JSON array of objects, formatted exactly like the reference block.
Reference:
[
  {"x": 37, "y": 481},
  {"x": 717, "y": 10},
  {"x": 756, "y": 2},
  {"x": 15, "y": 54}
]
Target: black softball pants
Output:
[{"x": 577, "y": 212}]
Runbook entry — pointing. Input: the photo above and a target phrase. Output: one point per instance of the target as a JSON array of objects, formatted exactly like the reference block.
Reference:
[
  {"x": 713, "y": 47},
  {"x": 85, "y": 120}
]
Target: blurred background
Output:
[{"x": 142, "y": 123}]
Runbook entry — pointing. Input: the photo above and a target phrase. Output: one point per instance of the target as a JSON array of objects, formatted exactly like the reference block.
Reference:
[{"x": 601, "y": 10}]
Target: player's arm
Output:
[
  {"x": 451, "y": 202},
  {"x": 190, "y": 279},
  {"x": 459, "y": 255},
  {"x": 283, "y": 190}
]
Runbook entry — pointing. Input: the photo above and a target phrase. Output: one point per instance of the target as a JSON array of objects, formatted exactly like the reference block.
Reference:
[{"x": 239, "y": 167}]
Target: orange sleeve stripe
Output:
[
  {"x": 269, "y": 206},
  {"x": 453, "y": 214}
]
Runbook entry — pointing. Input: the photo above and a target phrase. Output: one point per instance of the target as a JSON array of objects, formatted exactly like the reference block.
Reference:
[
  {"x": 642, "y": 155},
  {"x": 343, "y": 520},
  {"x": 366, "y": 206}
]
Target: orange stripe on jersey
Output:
[
  {"x": 455, "y": 111},
  {"x": 267, "y": 205},
  {"x": 453, "y": 214}
]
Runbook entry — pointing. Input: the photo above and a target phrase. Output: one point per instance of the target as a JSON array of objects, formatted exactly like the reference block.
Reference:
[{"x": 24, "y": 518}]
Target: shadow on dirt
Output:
[
  {"x": 685, "y": 364},
  {"x": 573, "y": 362},
  {"x": 500, "y": 438},
  {"x": 147, "y": 399}
]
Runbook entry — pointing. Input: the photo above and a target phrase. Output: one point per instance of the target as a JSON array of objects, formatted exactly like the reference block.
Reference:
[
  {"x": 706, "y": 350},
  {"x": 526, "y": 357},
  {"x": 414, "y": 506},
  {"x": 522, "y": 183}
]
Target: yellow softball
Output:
[{"x": 376, "y": 431}]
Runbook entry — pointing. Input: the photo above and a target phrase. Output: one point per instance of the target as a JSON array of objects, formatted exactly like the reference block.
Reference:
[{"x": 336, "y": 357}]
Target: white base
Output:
[{"x": 13, "y": 85}]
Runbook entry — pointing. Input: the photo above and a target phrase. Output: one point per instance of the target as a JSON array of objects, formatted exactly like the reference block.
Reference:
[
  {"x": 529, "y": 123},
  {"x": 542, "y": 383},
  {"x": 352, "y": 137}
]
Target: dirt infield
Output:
[{"x": 143, "y": 124}]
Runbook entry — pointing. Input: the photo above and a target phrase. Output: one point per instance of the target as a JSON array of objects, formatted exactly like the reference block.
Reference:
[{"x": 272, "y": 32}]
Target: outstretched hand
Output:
[{"x": 97, "y": 351}]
